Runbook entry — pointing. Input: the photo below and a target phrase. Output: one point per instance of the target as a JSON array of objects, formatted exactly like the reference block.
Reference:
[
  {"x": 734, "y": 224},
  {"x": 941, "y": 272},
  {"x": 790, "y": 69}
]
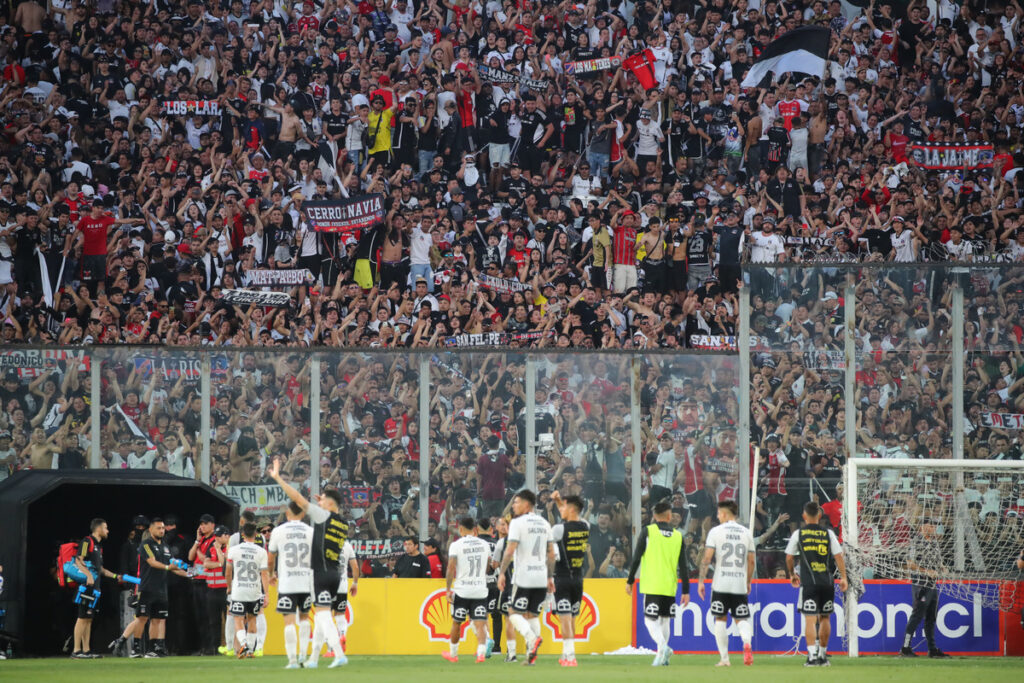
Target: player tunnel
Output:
[{"x": 40, "y": 510}]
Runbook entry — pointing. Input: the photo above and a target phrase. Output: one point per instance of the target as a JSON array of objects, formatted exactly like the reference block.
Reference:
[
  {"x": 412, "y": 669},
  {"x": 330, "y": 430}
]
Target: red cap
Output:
[{"x": 384, "y": 80}]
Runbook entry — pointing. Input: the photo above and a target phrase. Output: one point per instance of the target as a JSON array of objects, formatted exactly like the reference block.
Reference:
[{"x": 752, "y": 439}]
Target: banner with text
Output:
[
  {"x": 261, "y": 499},
  {"x": 588, "y": 65},
  {"x": 244, "y": 297},
  {"x": 951, "y": 156},
  {"x": 31, "y": 364},
  {"x": 191, "y": 107},
  {"x": 501, "y": 76},
  {"x": 1003, "y": 420},
  {"x": 378, "y": 548},
  {"x": 825, "y": 360},
  {"x": 173, "y": 366},
  {"x": 962, "y": 627},
  {"x": 502, "y": 285},
  {"x": 346, "y": 215},
  {"x": 279, "y": 278}
]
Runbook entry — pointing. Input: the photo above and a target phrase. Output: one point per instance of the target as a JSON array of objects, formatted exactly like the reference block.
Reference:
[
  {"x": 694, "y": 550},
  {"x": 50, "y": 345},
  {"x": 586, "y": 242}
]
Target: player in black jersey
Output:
[
  {"x": 572, "y": 538},
  {"x": 817, "y": 548},
  {"x": 330, "y": 532},
  {"x": 486, "y": 532}
]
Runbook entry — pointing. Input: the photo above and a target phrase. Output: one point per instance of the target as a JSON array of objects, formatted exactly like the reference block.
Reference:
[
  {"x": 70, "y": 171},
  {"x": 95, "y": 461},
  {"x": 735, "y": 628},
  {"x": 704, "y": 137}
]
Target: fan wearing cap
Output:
[
  {"x": 379, "y": 127},
  {"x": 92, "y": 234}
]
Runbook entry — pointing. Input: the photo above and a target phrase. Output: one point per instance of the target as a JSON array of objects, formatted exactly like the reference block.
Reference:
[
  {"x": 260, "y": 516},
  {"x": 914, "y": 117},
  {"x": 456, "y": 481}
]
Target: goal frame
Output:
[{"x": 851, "y": 517}]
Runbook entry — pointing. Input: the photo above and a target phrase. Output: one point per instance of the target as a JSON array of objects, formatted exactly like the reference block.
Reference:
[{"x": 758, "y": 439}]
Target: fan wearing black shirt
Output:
[
  {"x": 330, "y": 532},
  {"x": 413, "y": 564},
  {"x": 536, "y": 131},
  {"x": 89, "y": 561}
]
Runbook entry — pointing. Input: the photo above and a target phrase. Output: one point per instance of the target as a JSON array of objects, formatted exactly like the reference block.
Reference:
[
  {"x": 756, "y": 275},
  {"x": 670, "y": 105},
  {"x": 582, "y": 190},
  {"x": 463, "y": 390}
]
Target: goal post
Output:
[{"x": 965, "y": 511}]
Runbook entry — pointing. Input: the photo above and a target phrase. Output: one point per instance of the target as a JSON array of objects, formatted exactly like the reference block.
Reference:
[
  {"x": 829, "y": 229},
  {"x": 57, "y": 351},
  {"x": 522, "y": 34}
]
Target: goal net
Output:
[{"x": 958, "y": 521}]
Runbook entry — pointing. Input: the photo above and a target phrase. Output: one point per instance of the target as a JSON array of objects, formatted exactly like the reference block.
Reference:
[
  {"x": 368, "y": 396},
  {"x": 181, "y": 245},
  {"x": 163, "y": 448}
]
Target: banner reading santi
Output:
[
  {"x": 951, "y": 156},
  {"x": 345, "y": 215},
  {"x": 192, "y": 107}
]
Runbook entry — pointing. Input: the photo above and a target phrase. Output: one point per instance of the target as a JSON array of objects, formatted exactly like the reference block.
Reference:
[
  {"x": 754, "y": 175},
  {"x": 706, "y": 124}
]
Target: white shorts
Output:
[{"x": 499, "y": 154}]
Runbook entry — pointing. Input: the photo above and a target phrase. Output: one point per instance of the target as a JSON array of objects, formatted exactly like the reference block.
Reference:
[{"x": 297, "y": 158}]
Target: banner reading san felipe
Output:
[{"x": 350, "y": 215}]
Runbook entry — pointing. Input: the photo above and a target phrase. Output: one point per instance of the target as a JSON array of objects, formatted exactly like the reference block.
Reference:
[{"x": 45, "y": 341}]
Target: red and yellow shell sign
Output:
[
  {"x": 587, "y": 620},
  {"x": 436, "y": 616}
]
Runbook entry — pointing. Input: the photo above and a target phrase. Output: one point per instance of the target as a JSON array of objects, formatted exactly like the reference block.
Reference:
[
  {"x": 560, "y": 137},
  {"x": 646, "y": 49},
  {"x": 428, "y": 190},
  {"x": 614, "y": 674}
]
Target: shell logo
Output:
[
  {"x": 587, "y": 621},
  {"x": 436, "y": 616}
]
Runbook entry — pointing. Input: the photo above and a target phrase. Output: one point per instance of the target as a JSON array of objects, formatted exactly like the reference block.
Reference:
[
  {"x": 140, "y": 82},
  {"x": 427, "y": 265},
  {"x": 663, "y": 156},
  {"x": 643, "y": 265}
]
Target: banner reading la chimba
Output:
[
  {"x": 951, "y": 157},
  {"x": 345, "y": 215}
]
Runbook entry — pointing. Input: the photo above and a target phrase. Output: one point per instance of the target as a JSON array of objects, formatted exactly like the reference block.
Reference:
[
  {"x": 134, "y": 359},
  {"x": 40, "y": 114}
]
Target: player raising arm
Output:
[
  {"x": 246, "y": 572},
  {"x": 532, "y": 546},
  {"x": 290, "y": 548},
  {"x": 816, "y": 547},
  {"x": 330, "y": 532},
  {"x": 731, "y": 545}
]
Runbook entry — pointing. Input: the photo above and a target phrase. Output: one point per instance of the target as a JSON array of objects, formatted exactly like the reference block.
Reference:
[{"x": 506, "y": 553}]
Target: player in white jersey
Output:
[
  {"x": 532, "y": 545},
  {"x": 290, "y": 552},
  {"x": 468, "y": 564},
  {"x": 246, "y": 517},
  {"x": 246, "y": 573},
  {"x": 731, "y": 545},
  {"x": 348, "y": 566}
]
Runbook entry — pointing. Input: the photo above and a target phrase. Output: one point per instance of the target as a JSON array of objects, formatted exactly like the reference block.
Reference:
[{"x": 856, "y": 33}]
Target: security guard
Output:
[
  {"x": 660, "y": 555},
  {"x": 817, "y": 548}
]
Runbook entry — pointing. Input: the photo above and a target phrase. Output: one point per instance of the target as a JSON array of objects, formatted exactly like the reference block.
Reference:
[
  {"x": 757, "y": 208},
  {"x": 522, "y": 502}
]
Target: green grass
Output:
[{"x": 591, "y": 669}]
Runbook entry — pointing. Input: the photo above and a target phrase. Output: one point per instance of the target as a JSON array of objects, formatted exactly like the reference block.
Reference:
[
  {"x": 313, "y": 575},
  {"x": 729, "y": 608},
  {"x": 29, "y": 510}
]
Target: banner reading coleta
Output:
[{"x": 413, "y": 617}]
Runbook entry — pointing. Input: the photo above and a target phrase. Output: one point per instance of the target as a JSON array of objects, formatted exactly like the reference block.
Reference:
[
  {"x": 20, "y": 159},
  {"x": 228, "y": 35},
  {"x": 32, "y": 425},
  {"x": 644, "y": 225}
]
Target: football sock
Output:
[
  {"x": 241, "y": 635},
  {"x": 722, "y": 638},
  {"x": 822, "y": 651},
  {"x": 229, "y": 632},
  {"x": 481, "y": 650},
  {"x": 654, "y": 628},
  {"x": 569, "y": 646},
  {"x": 329, "y": 631},
  {"x": 666, "y": 628},
  {"x": 520, "y": 624},
  {"x": 342, "y": 624},
  {"x": 250, "y": 641},
  {"x": 291, "y": 642},
  {"x": 510, "y": 647},
  {"x": 534, "y": 623},
  {"x": 746, "y": 630},
  {"x": 318, "y": 641},
  {"x": 453, "y": 649},
  {"x": 304, "y": 635},
  {"x": 261, "y": 630},
  {"x": 812, "y": 651}
]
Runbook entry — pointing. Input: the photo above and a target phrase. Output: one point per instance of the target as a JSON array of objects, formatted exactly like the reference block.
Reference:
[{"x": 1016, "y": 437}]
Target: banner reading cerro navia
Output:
[{"x": 963, "y": 627}]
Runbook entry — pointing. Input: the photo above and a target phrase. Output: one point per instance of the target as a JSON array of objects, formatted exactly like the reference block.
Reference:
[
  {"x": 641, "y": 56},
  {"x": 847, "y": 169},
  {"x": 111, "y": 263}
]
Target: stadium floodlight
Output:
[{"x": 970, "y": 505}]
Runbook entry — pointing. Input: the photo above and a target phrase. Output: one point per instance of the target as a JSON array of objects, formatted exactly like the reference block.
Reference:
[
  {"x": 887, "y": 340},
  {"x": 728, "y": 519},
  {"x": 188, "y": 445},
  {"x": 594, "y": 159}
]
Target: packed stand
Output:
[{"x": 161, "y": 157}]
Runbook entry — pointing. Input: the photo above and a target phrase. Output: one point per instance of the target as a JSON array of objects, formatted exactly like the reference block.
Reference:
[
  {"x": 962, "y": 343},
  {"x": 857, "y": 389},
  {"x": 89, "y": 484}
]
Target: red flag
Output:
[{"x": 642, "y": 66}]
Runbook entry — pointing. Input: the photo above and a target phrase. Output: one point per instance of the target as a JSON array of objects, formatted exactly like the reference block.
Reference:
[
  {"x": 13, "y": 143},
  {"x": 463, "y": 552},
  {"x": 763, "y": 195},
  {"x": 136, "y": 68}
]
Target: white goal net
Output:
[{"x": 956, "y": 521}]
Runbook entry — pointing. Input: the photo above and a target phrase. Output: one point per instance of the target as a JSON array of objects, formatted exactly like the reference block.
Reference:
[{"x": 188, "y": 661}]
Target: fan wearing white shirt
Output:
[
  {"x": 468, "y": 565},
  {"x": 734, "y": 569},
  {"x": 531, "y": 544}
]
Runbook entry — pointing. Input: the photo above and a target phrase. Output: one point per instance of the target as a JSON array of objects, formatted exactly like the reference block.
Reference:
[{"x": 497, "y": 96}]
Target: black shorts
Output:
[
  {"x": 677, "y": 276},
  {"x": 493, "y": 598},
  {"x": 325, "y": 588},
  {"x": 598, "y": 277},
  {"x": 87, "y": 612},
  {"x": 340, "y": 603},
  {"x": 152, "y": 606},
  {"x": 505, "y": 599},
  {"x": 474, "y": 609},
  {"x": 816, "y": 599},
  {"x": 94, "y": 267},
  {"x": 729, "y": 603},
  {"x": 527, "y": 600},
  {"x": 659, "y": 606},
  {"x": 568, "y": 596},
  {"x": 244, "y": 609},
  {"x": 290, "y": 603},
  {"x": 699, "y": 503}
]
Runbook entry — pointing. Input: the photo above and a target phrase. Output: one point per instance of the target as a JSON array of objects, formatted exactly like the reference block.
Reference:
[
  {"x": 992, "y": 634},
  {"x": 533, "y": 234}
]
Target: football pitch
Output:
[{"x": 591, "y": 669}]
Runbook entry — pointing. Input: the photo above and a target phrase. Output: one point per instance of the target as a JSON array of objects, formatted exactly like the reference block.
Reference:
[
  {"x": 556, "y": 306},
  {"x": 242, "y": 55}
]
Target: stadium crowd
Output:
[{"x": 158, "y": 156}]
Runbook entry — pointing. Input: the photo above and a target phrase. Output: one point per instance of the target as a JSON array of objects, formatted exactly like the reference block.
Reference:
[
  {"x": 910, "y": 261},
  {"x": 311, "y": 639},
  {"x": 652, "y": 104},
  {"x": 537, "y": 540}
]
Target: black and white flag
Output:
[
  {"x": 803, "y": 50},
  {"x": 244, "y": 297}
]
